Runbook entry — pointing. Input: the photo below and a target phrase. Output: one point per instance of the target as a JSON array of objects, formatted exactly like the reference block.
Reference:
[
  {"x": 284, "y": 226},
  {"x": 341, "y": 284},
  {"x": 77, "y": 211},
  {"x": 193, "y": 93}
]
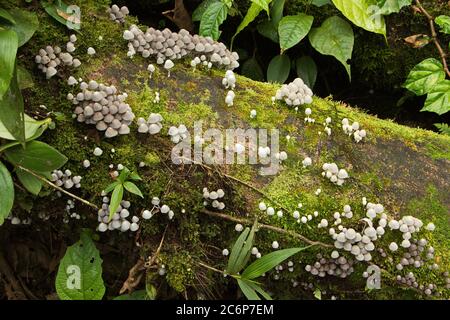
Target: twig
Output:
[
  {"x": 434, "y": 35},
  {"x": 209, "y": 267},
  {"x": 59, "y": 188},
  {"x": 248, "y": 185},
  {"x": 266, "y": 226}
]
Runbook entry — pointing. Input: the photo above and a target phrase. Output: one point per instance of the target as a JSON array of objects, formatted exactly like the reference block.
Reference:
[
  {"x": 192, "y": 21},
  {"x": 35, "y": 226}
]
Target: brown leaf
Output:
[{"x": 417, "y": 40}]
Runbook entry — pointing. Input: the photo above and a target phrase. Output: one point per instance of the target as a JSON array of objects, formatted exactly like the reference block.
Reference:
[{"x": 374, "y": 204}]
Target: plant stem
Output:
[
  {"x": 441, "y": 51},
  {"x": 266, "y": 226},
  {"x": 59, "y": 188}
]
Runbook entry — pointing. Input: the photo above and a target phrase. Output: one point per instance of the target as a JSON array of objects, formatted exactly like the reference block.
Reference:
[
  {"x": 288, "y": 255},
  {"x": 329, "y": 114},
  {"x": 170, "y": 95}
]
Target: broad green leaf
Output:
[
  {"x": 363, "y": 13},
  {"x": 278, "y": 69},
  {"x": 36, "y": 156},
  {"x": 236, "y": 250},
  {"x": 31, "y": 128},
  {"x": 9, "y": 43},
  {"x": 212, "y": 18},
  {"x": 30, "y": 182},
  {"x": 392, "y": 6},
  {"x": 269, "y": 261},
  {"x": 131, "y": 187},
  {"x": 116, "y": 198},
  {"x": 247, "y": 290},
  {"x": 269, "y": 28},
  {"x": 292, "y": 29},
  {"x": 79, "y": 274},
  {"x": 276, "y": 11},
  {"x": 251, "y": 14},
  {"x": 200, "y": 10},
  {"x": 438, "y": 99},
  {"x": 61, "y": 12},
  {"x": 12, "y": 110},
  {"x": 307, "y": 70},
  {"x": 26, "y": 24},
  {"x": 334, "y": 38},
  {"x": 444, "y": 23},
  {"x": 443, "y": 128},
  {"x": 24, "y": 78},
  {"x": 135, "y": 295},
  {"x": 7, "y": 16},
  {"x": 424, "y": 76},
  {"x": 320, "y": 3},
  {"x": 6, "y": 193},
  {"x": 251, "y": 69}
]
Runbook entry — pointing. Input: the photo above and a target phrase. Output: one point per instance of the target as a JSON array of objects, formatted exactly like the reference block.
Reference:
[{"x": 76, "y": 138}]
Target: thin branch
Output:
[
  {"x": 248, "y": 185},
  {"x": 59, "y": 188},
  {"x": 434, "y": 35},
  {"x": 266, "y": 226},
  {"x": 210, "y": 268}
]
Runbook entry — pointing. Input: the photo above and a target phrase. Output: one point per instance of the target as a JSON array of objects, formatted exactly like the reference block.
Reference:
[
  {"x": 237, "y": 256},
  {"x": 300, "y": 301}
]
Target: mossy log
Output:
[{"x": 405, "y": 169}]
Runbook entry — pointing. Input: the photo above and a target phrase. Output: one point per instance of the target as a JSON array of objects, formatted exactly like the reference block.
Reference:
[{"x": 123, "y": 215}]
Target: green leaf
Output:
[
  {"x": 37, "y": 156},
  {"x": 26, "y": 24},
  {"x": 444, "y": 23},
  {"x": 6, "y": 193},
  {"x": 124, "y": 174},
  {"x": 61, "y": 12},
  {"x": 318, "y": 294},
  {"x": 276, "y": 11},
  {"x": 320, "y": 3},
  {"x": 116, "y": 198},
  {"x": 12, "y": 111},
  {"x": 363, "y": 13},
  {"x": 236, "y": 250},
  {"x": 200, "y": 10},
  {"x": 259, "y": 290},
  {"x": 335, "y": 38},
  {"x": 443, "y": 128},
  {"x": 424, "y": 76},
  {"x": 134, "y": 176},
  {"x": 251, "y": 69},
  {"x": 269, "y": 261},
  {"x": 247, "y": 290},
  {"x": 244, "y": 255},
  {"x": 111, "y": 187},
  {"x": 264, "y": 4},
  {"x": 269, "y": 28},
  {"x": 438, "y": 99},
  {"x": 131, "y": 187},
  {"x": 135, "y": 295},
  {"x": 292, "y": 29},
  {"x": 212, "y": 18},
  {"x": 30, "y": 182},
  {"x": 31, "y": 128},
  {"x": 24, "y": 78},
  {"x": 307, "y": 70},
  {"x": 392, "y": 6},
  {"x": 7, "y": 16},
  {"x": 79, "y": 274},
  {"x": 278, "y": 69},
  {"x": 251, "y": 14},
  {"x": 9, "y": 43}
]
